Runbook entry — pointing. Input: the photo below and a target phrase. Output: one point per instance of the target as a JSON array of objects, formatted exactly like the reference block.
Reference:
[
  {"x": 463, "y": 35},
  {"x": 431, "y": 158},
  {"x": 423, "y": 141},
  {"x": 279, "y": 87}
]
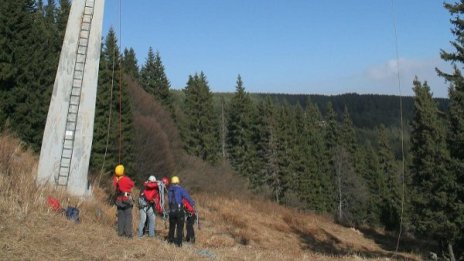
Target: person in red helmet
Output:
[
  {"x": 123, "y": 186},
  {"x": 165, "y": 181}
]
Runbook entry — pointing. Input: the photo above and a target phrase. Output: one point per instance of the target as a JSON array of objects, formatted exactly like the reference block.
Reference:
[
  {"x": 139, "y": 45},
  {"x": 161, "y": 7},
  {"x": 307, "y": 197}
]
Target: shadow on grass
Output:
[
  {"x": 388, "y": 242},
  {"x": 331, "y": 245}
]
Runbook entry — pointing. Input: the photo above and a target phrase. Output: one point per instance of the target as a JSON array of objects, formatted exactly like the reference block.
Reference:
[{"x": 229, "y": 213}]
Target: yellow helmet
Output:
[
  {"x": 119, "y": 170},
  {"x": 175, "y": 180}
]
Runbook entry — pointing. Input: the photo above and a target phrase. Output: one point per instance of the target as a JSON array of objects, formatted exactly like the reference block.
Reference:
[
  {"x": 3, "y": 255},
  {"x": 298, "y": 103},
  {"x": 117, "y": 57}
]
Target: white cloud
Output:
[{"x": 383, "y": 75}]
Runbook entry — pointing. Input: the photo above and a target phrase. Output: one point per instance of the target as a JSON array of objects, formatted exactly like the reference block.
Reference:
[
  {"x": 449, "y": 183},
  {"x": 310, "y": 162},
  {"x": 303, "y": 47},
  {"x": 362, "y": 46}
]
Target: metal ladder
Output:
[{"x": 75, "y": 97}]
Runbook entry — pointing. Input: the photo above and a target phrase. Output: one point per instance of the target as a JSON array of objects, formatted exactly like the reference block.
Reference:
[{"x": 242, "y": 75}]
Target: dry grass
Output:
[{"x": 231, "y": 229}]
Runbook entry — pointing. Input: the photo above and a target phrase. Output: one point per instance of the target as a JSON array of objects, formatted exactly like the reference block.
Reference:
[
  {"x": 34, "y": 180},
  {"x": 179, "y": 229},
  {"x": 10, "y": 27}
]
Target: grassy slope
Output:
[{"x": 230, "y": 229}]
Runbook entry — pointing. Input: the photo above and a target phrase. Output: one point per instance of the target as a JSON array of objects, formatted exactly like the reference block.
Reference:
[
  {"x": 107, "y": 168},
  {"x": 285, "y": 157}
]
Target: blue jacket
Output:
[{"x": 175, "y": 195}]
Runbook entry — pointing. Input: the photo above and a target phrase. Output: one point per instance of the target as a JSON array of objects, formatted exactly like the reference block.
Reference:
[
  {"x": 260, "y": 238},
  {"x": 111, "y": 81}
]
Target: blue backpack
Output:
[{"x": 72, "y": 213}]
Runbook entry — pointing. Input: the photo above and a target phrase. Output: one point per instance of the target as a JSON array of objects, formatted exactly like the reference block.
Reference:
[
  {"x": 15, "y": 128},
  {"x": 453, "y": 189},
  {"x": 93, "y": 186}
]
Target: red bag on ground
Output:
[{"x": 54, "y": 204}]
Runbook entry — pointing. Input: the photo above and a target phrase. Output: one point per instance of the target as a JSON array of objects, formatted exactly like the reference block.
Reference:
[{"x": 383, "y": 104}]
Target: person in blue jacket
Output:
[{"x": 176, "y": 194}]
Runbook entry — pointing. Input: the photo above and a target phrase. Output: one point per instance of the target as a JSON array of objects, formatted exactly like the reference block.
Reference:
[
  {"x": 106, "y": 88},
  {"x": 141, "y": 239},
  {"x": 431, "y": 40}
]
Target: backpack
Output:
[
  {"x": 72, "y": 213},
  {"x": 188, "y": 208}
]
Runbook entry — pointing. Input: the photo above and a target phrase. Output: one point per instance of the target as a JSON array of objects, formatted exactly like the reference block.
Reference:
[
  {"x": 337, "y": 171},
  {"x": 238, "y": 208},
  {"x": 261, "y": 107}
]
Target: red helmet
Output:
[{"x": 165, "y": 180}]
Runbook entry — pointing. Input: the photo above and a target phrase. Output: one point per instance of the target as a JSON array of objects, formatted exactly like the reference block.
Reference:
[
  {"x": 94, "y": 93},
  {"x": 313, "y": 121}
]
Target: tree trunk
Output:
[{"x": 450, "y": 251}]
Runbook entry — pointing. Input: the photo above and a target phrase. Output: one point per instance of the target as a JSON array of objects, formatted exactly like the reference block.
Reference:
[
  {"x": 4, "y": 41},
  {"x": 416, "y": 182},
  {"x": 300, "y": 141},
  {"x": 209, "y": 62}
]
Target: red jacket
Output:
[
  {"x": 123, "y": 185},
  {"x": 151, "y": 191}
]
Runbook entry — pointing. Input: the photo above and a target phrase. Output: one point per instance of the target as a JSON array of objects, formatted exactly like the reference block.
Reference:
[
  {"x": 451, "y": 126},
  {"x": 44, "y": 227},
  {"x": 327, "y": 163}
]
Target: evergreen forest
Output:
[{"x": 349, "y": 156}]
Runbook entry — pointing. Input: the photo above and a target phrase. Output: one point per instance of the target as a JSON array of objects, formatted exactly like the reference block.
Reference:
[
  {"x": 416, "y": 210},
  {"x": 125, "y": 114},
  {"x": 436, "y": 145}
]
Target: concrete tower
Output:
[{"x": 67, "y": 139}]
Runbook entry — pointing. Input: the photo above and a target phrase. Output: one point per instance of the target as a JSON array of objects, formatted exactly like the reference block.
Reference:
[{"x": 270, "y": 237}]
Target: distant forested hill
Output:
[{"x": 366, "y": 110}]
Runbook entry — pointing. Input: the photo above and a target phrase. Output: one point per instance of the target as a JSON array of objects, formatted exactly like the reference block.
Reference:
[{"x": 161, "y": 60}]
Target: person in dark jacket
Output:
[
  {"x": 176, "y": 194},
  {"x": 123, "y": 185}
]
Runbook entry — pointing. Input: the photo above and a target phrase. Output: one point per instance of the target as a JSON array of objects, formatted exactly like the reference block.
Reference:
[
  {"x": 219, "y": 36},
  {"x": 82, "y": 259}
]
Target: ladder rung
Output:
[
  {"x": 76, "y": 91},
  {"x": 77, "y": 82},
  {"x": 87, "y": 18},
  {"x": 72, "y": 118},
  {"x": 84, "y": 34},
  {"x": 65, "y": 138},
  {"x": 72, "y": 113},
  {"x": 64, "y": 166},
  {"x": 71, "y": 126},
  {"x": 69, "y": 147},
  {"x": 80, "y": 58},
  {"x": 84, "y": 42}
]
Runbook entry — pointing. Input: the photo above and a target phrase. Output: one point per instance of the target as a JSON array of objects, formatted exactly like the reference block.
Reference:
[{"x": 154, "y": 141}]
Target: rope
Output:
[
  {"x": 401, "y": 127},
  {"x": 162, "y": 188},
  {"x": 120, "y": 83},
  {"x": 109, "y": 118}
]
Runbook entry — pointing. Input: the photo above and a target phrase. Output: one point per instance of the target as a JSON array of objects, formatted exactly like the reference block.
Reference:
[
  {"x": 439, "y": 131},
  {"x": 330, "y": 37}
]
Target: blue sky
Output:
[{"x": 290, "y": 46}]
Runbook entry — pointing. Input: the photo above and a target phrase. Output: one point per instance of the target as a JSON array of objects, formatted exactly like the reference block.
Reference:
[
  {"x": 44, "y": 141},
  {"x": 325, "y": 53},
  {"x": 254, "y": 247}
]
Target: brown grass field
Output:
[{"x": 230, "y": 229}]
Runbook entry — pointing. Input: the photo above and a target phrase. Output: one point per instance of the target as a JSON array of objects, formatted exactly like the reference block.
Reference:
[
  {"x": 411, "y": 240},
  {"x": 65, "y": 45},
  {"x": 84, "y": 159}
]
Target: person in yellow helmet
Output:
[
  {"x": 123, "y": 186},
  {"x": 176, "y": 196}
]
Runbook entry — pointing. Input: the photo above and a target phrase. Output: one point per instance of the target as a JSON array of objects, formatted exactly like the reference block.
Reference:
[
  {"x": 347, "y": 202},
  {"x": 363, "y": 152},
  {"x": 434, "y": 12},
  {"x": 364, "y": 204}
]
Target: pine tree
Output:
[
  {"x": 113, "y": 113},
  {"x": 155, "y": 81},
  {"x": 280, "y": 178},
  {"x": 375, "y": 183},
  {"x": 319, "y": 152},
  {"x": 314, "y": 184},
  {"x": 434, "y": 185},
  {"x": 352, "y": 189},
  {"x": 130, "y": 64},
  {"x": 263, "y": 136},
  {"x": 239, "y": 129},
  {"x": 62, "y": 18},
  {"x": 299, "y": 152},
  {"x": 331, "y": 138},
  {"x": 332, "y": 132},
  {"x": 389, "y": 183},
  {"x": 347, "y": 133},
  {"x": 14, "y": 21},
  {"x": 200, "y": 129},
  {"x": 455, "y": 135},
  {"x": 28, "y": 64}
]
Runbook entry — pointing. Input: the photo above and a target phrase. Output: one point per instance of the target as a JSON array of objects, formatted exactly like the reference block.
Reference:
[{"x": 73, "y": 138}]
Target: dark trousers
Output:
[
  {"x": 176, "y": 224},
  {"x": 125, "y": 221},
  {"x": 190, "y": 237}
]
